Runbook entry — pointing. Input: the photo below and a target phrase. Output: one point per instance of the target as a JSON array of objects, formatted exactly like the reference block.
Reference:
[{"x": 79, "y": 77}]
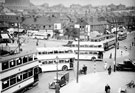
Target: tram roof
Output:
[
  {"x": 17, "y": 55},
  {"x": 52, "y": 48},
  {"x": 88, "y": 43},
  {"x": 102, "y": 36}
]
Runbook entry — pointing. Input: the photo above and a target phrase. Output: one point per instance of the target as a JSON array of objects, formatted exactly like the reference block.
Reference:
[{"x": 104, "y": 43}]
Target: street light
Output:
[
  {"x": 115, "y": 46},
  {"x": 57, "y": 85},
  {"x": 78, "y": 57}
]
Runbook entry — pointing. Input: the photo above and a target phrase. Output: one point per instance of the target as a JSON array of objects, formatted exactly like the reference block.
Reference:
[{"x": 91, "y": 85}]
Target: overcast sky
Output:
[{"x": 84, "y": 2}]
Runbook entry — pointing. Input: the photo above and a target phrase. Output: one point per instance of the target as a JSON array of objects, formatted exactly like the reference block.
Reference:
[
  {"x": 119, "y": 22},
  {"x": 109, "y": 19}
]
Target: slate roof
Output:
[{"x": 43, "y": 20}]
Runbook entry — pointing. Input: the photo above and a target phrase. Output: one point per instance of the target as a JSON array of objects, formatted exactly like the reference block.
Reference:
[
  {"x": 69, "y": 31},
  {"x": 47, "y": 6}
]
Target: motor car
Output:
[
  {"x": 63, "y": 79},
  {"x": 126, "y": 65}
]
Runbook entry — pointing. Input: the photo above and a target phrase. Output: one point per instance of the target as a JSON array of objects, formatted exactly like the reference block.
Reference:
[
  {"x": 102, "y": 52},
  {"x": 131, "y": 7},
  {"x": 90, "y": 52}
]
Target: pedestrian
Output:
[
  {"x": 132, "y": 43},
  {"x": 110, "y": 55},
  {"x": 85, "y": 69},
  {"x": 37, "y": 42},
  {"x": 109, "y": 70},
  {"x": 121, "y": 52},
  {"x": 105, "y": 65},
  {"x": 107, "y": 88}
]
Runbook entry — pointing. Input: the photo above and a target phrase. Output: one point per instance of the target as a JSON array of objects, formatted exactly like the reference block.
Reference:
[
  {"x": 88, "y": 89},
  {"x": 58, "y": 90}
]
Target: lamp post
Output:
[
  {"x": 115, "y": 22},
  {"x": 78, "y": 57},
  {"x": 57, "y": 87}
]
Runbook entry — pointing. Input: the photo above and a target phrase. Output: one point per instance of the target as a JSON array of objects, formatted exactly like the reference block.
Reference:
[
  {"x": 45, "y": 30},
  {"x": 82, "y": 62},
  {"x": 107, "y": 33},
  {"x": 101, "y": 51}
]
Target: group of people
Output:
[{"x": 107, "y": 68}]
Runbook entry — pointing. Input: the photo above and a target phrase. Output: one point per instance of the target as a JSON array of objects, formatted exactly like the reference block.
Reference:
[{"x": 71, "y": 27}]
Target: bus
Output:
[
  {"x": 49, "y": 57},
  {"x": 18, "y": 72},
  {"x": 122, "y": 35},
  {"x": 88, "y": 50},
  {"x": 107, "y": 40},
  {"x": 38, "y": 35}
]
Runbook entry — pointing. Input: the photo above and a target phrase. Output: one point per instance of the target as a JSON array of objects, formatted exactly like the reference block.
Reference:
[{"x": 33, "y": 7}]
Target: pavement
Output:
[{"x": 95, "y": 83}]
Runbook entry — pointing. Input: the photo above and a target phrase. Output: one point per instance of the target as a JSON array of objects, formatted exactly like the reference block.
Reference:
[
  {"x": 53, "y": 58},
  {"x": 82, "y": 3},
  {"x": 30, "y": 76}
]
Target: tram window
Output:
[
  {"x": 70, "y": 51},
  {"x": 45, "y": 62},
  {"x": 66, "y": 51},
  {"x": 5, "y": 83},
  {"x": 99, "y": 45},
  {"x": 86, "y": 46},
  {"x": 61, "y": 61},
  {"x": 25, "y": 75},
  {"x": 19, "y": 77},
  {"x": 30, "y": 58},
  {"x": 30, "y": 73},
  {"x": 12, "y": 80},
  {"x": 81, "y": 45},
  {"x": 67, "y": 61},
  {"x": 25, "y": 59},
  {"x": 5, "y": 65},
  {"x": 12, "y": 63},
  {"x": 19, "y": 61},
  {"x": 50, "y": 62},
  {"x": 44, "y": 52},
  {"x": 51, "y": 52},
  {"x": 39, "y": 53},
  {"x": 55, "y": 52}
]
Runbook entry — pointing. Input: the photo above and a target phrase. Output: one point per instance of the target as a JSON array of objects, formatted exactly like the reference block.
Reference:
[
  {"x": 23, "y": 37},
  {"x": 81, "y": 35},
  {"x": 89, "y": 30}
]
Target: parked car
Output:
[
  {"x": 127, "y": 65},
  {"x": 63, "y": 79}
]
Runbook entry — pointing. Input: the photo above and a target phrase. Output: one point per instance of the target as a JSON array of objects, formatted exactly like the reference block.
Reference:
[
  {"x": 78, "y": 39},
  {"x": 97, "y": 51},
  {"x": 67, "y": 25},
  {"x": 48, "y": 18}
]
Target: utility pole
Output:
[{"x": 78, "y": 57}]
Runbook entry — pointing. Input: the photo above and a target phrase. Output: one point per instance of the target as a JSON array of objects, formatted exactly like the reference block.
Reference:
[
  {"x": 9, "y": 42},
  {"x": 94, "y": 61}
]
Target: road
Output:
[{"x": 47, "y": 77}]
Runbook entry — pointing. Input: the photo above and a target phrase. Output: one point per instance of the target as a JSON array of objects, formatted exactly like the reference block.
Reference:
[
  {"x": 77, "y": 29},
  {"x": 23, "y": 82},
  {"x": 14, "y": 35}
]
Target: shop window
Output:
[{"x": 5, "y": 65}]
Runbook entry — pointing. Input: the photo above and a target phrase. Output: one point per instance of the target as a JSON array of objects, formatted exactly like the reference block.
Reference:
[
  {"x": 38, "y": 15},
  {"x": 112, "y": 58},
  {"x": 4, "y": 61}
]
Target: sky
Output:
[{"x": 67, "y": 3}]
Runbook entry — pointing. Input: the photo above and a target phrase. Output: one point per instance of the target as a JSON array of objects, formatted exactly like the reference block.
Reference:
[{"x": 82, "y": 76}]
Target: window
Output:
[
  {"x": 50, "y": 62},
  {"x": 55, "y": 52},
  {"x": 30, "y": 72},
  {"x": 19, "y": 77},
  {"x": 67, "y": 61},
  {"x": 5, "y": 83},
  {"x": 51, "y": 52},
  {"x": 25, "y": 75},
  {"x": 45, "y": 62},
  {"x": 44, "y": 52},
  {"x": 39, "y": 53},
  {"x": 19, "y": 61},
  {"x": 30, "y": 58},
  {"x": 70, "y": 51},
  {"x": 61, "y": 61},
  {"x": 25, "y": 59},
  {"x": 5, "y": 65},
  {"x": 12, "y": 80},
  {"x": 12, "y": 63}
]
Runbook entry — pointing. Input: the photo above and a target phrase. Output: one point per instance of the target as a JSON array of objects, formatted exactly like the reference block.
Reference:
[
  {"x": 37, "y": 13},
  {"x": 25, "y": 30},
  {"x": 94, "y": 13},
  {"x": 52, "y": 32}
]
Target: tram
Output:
[{"x": 18, "y": 72}]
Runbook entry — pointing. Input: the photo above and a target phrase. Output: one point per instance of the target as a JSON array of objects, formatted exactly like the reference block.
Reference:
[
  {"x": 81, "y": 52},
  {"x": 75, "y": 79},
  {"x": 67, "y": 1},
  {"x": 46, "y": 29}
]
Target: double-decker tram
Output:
[
  {"x": 18, "y": 72},
  {"x": 49, "y": 57},
  {"x": 107, "y": 40},
  {"x": 88, "y": 50}
]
